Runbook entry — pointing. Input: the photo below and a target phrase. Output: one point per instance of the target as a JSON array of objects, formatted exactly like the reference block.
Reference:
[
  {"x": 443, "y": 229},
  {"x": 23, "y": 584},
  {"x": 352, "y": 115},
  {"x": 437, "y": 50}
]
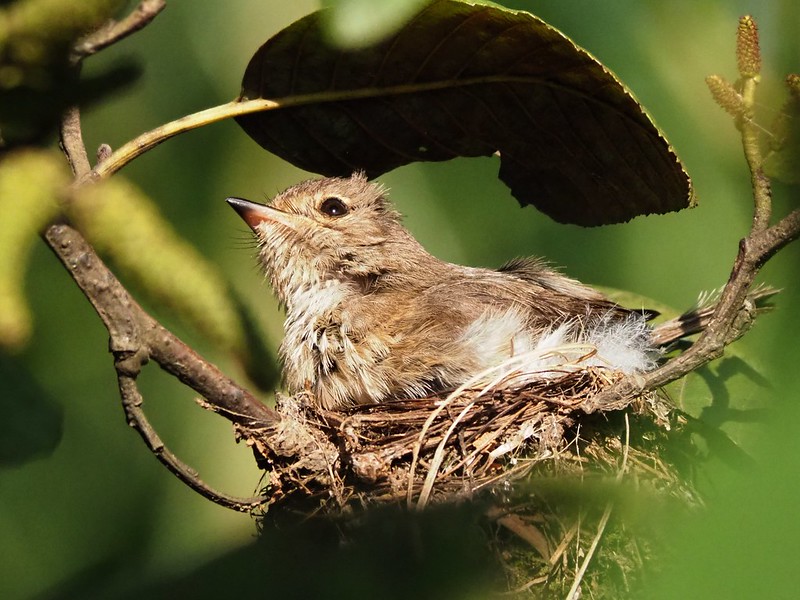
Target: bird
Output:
[{"x": 371, "y": 316}]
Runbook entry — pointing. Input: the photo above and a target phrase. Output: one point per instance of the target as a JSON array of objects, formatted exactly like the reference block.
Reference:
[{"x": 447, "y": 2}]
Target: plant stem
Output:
[
  {"x": 762, "y": 194},
  {"x": 151, "y": 139},
  {"x": 145, "y": 12}
]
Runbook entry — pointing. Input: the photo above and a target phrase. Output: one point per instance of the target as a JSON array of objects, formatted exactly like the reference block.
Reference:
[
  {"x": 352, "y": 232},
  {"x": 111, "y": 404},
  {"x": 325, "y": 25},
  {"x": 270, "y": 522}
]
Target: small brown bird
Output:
[{"x": 370, "y": 315}]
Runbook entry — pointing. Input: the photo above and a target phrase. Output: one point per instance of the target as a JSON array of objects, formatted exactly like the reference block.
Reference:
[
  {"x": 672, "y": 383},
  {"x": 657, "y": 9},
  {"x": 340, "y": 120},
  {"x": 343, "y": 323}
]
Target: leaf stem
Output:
[
  {"x": 154, "y": 137},
  {"x": 241, "y": 107}
]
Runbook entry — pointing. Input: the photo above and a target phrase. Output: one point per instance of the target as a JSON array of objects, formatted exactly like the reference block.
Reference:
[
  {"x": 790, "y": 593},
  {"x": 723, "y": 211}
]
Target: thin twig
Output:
[
  {"x": 526, "y": 586},
  {"x": 474, "y": 380},
  {"x": 141, "y": 16},
  {"x": 132, "y": 330},
  {"x": 71, "y": 140},
  {"x": 438, "y": 456},
  {"x": 733, "y": 314},
  {"x": 135, "y": 337},
  {"x": 562, "y": 547},
  {"x": 132, "y": 404}
]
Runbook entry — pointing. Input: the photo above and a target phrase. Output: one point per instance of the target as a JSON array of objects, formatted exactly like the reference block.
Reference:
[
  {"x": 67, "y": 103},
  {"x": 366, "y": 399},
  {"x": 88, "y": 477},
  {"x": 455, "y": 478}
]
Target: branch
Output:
[
  {"x": 132, "y": 404},
  {"x": 732, "y": 318},
  {"x": 134, "y": 336},
  {"x": 71, "y": 140},
  {"x": 734, "y": 313},
  {"x": 145, "y": 12},
  {"x": 134, "y": 332}
]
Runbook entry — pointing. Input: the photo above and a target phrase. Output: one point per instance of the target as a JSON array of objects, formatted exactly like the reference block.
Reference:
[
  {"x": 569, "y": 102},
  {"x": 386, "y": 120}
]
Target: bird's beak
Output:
[{"x": 254, "y": 213}]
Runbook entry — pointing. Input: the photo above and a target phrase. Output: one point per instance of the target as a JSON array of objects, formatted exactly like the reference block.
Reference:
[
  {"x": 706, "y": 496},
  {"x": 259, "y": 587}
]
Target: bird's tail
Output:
[{"x": 695, "y": 320}]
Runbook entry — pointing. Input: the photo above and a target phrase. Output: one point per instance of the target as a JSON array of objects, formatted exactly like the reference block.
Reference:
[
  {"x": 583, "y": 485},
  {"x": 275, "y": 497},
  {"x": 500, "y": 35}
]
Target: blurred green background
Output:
[{"x": 100, "y": 517}]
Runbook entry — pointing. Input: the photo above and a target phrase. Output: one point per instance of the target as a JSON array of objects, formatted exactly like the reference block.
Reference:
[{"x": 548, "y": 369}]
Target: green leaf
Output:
[
  {"x": 468, "y": 80},
  {"x": 30, "y": 184},
  {"x": 123, "y": 224},
  {"x": 37, "y": 78}
]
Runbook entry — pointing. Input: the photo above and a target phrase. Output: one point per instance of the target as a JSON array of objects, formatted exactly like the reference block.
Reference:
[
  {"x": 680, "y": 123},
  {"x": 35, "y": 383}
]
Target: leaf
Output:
[
  {"x": 30, "y": 184},
  {"x": 122, "y": 223},
  {"x": 38, "y": 80},
  {"x": 467, "y": 80}
]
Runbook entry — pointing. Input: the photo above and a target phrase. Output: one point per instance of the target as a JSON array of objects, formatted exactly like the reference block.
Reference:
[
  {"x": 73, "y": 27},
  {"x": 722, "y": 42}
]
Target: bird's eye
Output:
[{"x": 333, "y": 207}]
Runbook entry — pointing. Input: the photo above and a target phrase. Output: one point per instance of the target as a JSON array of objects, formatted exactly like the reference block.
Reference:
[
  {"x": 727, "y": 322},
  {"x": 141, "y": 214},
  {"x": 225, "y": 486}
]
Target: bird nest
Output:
[{"x": 446, "y": 447}]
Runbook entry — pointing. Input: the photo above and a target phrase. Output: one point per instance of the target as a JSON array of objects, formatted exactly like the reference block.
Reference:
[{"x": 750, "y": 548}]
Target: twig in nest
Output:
[
  {"x": 417, "y": 450},
  {"x": 507, "y": 375},
  {"x": 438, "y": 456}
]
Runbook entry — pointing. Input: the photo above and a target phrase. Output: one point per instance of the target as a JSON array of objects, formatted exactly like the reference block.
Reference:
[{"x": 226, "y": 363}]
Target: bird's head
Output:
[{"x": 332, "y": 228}]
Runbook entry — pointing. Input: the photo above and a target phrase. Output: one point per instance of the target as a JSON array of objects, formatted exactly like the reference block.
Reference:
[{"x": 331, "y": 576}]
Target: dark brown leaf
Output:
[{"x": 468, "y": 80}]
